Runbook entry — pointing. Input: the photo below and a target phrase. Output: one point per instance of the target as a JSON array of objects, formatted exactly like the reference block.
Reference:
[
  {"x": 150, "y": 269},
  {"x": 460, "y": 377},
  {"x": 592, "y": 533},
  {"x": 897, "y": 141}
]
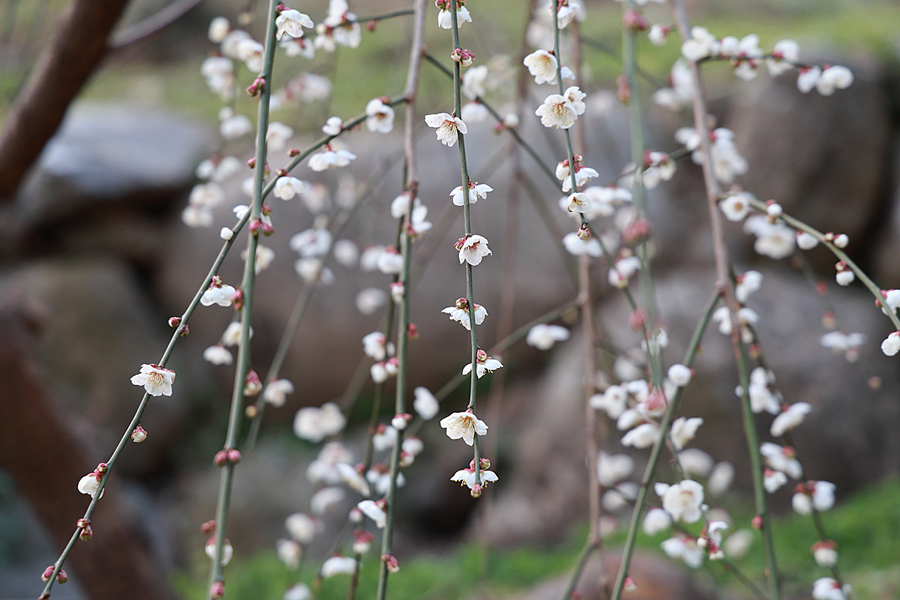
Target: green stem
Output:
[
  {"x": 649, "y": 472},
  {"x": 248, "y": 287}
]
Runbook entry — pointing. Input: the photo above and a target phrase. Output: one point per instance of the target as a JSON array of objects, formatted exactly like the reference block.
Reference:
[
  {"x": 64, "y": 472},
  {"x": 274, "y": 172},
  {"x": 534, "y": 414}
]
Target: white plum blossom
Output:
[
  {"x": 684, "y": 430},
  {"x": 448, "y": 127},
  {"x": 460, "y": 313},
  {"x": 297, "y": 47},
  {"x": 685, "y": 548},
  {"x": 701, "y": 45},
  {"x": 826, "y": 588},
  {"x": 218, "y": 355},
  {"x": 747, "y": 317},
  {"x": 747, "y": 283},
  {"x": 784, "y": 54},
  {"x": 474, "y": 112},
  {"x": 379, "y": 116},
  {"x": 217, "y": 294},
  {"x": 425, "y": 404},
  {"x": 333, "y": 126},
  {"x": 484, "y": 364},
  {"x": 218, "y": 29},
  {"x": 338, "y": 565},
  {"x": 376, "y": 346},
  {"x": 576, "y": 246},
  {"x": 781, "y": 459},
  {"x": 315, "y": 424},
  {"x": 679, "y": 375},
  {"x": 234, "y": 126},
  {"x": 832, "y": 79},
  {"x": 472, "y": 249},
  {"x": 445, "y": 19},
  {"x": 464, "y": 425},
  {"x": 291, "y": 22},
  {"x": 276, "y": 392},
  {"x": 289, "y": 552},
  {"x": 891, "y": 344},
  {"x": 90, "y": 483},
  {"x": 658, "y": 34},
  {"x": 288, "y": 187},
  {"x": 720, "y": 478},
  {"x": 302, "y": 527},
  {"x": 773, "y": 480},
  {"x": 330, "y": 159},
  {"x": 543, "y": 336},
  {"x": 375, "y": 511},
  {"x": 542, "y": 65},
  {"x": 683, "y": 501},
  {"x": 473, "y": 82},
  {"x": 695, "y": 462},
  {"x": 656, "y": 520},
  {"x": 251, "y": 53},
  {"x": 227, "y": 550},
  {"x": 612, "y": 401},
  {"x": 818, "y": 495},
  {"x": 467, "y": 477},
  {"x": 476, "y": 191},
  {"x": 311, "y": 243},
  {"x": 156, "y": 380},
  {"x": 762, "y": 398},
  {"x": 789, "y": 418},
  {"x": 612, "y": 469},
  {"x": 642, "y": 436},
  {"x": 390, "y": 262},
  {"x": 621, "y": 272},
  {"x": 808, "y": 78},
  {"x": 845, "y": 277},
  {"x": 561, "y": 111},
  {"x": 736, "y": 206},
  {"x": 825, "y": 554},
  {"x": 682, "y": 91},
  {"x": 847, "y": 344},
  {"x": 659, "y": 167}
]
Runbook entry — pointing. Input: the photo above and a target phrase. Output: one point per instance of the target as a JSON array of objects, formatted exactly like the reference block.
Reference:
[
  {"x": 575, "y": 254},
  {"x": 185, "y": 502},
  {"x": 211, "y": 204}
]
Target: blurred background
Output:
[{"x": 94, "y": 258}]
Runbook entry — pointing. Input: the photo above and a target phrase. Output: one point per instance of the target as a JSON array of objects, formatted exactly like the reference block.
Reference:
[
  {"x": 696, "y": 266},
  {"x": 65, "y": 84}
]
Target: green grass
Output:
[{"x": 865, "y": 526}]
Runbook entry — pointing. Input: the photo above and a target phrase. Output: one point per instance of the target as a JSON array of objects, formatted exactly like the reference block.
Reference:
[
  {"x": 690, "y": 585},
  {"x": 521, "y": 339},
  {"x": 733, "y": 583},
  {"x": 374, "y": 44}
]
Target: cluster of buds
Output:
[
  {"x": 174, "y": 322},
  {"x": 463, "y": 56},
  {"x": 256, "y": 87},
  {"x": 86, "y": 532},
  {"x": 225, "y": 456},
  {"x": 61, "y": 576}
]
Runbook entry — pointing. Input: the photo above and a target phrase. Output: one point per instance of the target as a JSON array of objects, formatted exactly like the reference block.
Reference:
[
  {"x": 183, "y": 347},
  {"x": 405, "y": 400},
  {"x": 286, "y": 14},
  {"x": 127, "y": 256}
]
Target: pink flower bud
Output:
[
  {"x": 61, "y": 577},
  {"x": 251, "y": 163},
  {"x": 47, "y": 574},
  {"x": 252, "y": 384},
  {"x": 637, "y": 319},
  {"x": 584, "y": 233},
  {"x": 208, "y": 527},
  {"x": 371, "y": 25},
  {"x": 757, "y": 522},
  {"x": 281, "y": 173},
  {"x": 103, "y": 467},
  {"x": 391, "y": 562},
  {"x": 234, "y": 456},
  {"x": 635, "y": 231},
  {"x": 86, "y": 533},
  {"x": 476, "y": 490},
  {"x": 267, "y": 229},
  {"x": 237, "y": 299},
  {"x": 138, "y": 435},
  {"x": 221, "y": 458},
  {"x": 255, "y": 226},
  {"x": 217, "y": 590},
  {"x": 174, "y": 321},
  {"x": 630, "y": 585},
  {"x": 635, "y": 21},
  {"x": 412, "y": 332},
  {"x": 293, "y": 152}
]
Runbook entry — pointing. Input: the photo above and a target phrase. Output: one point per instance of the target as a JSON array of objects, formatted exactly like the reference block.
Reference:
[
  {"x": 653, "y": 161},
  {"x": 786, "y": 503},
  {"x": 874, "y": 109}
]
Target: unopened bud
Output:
[
  {"x": 630, "y": 585},
  {"x": 217, "y": 590},
  {"x": 636, "y": 231},
  {"x": 252, "y": 384},
  {"x": 293, "y": 152},
  {"x": 208, "y": 527},
  {"x": 86, "y": 534},
  {"x": 251, "y": 411},
  {"x": 635, "y": 21},
  {"x": 138, "y": 435},
  {"x": 267, "y": 229},
  {"x": 251, "y": 163},
  {"x": 371, "y": 25},
  {"x": 61, "y": 577},
  {"x": 476, "y": 491},
  {"x": 47, "y": 574},
  {"x": 255, "y": 226},
  {"x": 391, "y": 562},
  {"x": 221, "y": 458},
  {"x": 237, "y": 299},
  {"x": 234, "y": 456},
  {"x": 102, "y": 468},
  {"x": 174, "y": 321},
  {"x": 584, "y": 233},
  {"x": 757, "y": 522},
  {"x": 281, "y": 173}
]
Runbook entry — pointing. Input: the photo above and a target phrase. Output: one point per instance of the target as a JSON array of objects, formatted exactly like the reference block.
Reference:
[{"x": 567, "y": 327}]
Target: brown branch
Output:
[{"x": 61, "y": 71}]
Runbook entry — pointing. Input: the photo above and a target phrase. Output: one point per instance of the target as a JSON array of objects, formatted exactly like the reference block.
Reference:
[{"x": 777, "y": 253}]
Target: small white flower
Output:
[
  {"x": 379, "y": 116},
  {"x": 445, "y": 19},
  {"x": 472, "y": 249},
  {"x": 656, "y": 521},
  {"x": 311, "y": 243},
  {"x": 747, "y": 283},
  {"x": 276, "y": 392},
  {"x": 288, "y": 187},
  {"x": 784, "y": 53},
  {"x": 844, "y": 278},
  {"x": 89, "y": 484},
  {"x": 291, "y": 22},
  {"x": 773, "y": 480},
  {"x": 156, "y": 380},
  {"x": 467, "y": 477},
  {"x": 460, "y": 313},
  {"x": 315, "y": 424},
  {"x": 227, "y": 550},
  {"x": 289, "y": 552},
  {"x": 576, "y": 246},
  {"x": 473, "y": 81},
  {"x": 720, "y": 478},
  {"x": 789, "y": 418},
  {"x": 338, "y": 565},
  {"x": 302, "y": 527},
  {"x": 825, "y": 554},
  {"x": 220, "y": 295},
  {"x": 891, "y": 344},
  {"x": 736, "y": 206},
  {"x": 476, "y": 191},
  {"x": 827, "y": 588},
  {"x": 808, "y": 78},
  {"x": 683, "y": 501},
  {"x": 464, "y": 425},
  {"x": 448, "y": 127},
  {"x": 542, "y": 66},
  {"x": 218, "y": 355},
  {"x": 684, "y": 430},
  {"x": 251, "y": 53},
  {"x": 218, "y": 29},
  {"x": 612, "y": 469},
  {"x": 612, "y": 401},
  {"x": 370, "y": 299},
  {"x": 781, "y": 459},
  {"x": 695, "y": 462},
  {"x": 658, "y": 35},
  {"x": 484, "y": 364},
  {"x": 332, "y": 126},
  {"x": 374, "y": 511},
  {"x": 330, "y": 159},
  {"x": 701, "y": 44},
  {"x": 679, "y": 375},
  {"x": 543, "y": 336},
  {"x": 642, "y": 436},
  {"x": 686, "y": 549},
  {"x": 834, "y": 78},
  {"x": 425, "y": 404},
  {"x": 376, "y": 346}
]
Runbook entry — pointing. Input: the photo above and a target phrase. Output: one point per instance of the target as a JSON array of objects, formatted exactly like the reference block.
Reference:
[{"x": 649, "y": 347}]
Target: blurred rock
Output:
[{"x": 826, "y": 160}]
